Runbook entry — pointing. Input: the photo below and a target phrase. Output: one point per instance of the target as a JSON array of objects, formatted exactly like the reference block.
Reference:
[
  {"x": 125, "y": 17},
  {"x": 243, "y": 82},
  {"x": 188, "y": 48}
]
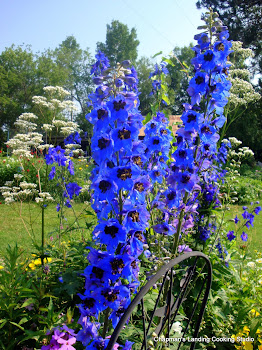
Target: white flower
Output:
[
  {"x": 259, "y": 261},
  {"x": 251, "y": 264},
  {"x": 176, "y": 327}
]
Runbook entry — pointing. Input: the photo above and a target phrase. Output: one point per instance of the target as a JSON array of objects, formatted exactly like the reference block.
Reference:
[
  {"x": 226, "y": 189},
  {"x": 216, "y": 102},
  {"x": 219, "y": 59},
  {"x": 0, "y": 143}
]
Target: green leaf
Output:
[
  {"x": 147, "y": 118},
  {"x": 167, "y": 60},
  {"x": 157, "y": 54},
  {"x": 3, "y": 322},
  {"x": 28, "y": 302},
  {"x": 17, "y": 325}
]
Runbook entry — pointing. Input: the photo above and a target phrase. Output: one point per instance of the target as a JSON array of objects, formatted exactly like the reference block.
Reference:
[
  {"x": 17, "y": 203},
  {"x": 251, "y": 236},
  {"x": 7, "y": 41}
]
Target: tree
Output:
[
  {"x": 180, "y": 73},
  {"x": 121, "y": 44},
  {"x": 18, "y": 83},
  {"x": 143, "y": 67},
  {"x": 76, "y": 63},
  {"x": 243, "y": 19}
]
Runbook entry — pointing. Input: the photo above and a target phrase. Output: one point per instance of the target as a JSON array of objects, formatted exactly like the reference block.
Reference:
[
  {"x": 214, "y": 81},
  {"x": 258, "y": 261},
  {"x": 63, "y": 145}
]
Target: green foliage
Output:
[
  {"x": 121, "y": 43},
  {"x": 8, "y": 167},
  {"x": 144, "y": 67},
  {"x": 179, "y": 73},
  {"x": 33, "y": 299},
  {"x": 243, "y": 21}
]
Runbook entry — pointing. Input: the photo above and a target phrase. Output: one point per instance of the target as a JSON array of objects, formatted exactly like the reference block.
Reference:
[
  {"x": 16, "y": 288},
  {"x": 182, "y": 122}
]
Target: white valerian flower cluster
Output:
[
  {"x": 47, "y": 127},
  {"x": 237, "y": 155},
  {"x": 44, "y": 197},
  {"x": 22, "y": 143},
  {"x": 56, "y": 90},
  {"x": 19, "y": 193},
  {"x": 242, "y": 91},
  {"x": 234, "y": 142}
]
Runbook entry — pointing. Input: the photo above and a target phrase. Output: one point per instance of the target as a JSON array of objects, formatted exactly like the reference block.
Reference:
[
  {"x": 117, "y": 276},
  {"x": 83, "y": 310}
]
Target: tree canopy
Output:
[
  {"x": 243, "y": 19},
  {"x": 121, "y": 43}
]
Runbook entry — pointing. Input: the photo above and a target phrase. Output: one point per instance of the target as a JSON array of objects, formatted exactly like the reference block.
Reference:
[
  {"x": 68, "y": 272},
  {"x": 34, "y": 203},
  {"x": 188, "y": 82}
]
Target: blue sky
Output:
[{"x": 160, "y": 25}]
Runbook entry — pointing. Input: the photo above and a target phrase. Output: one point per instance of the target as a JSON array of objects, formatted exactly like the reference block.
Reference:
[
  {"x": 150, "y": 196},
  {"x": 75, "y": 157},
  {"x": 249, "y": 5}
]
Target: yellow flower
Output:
[
  {"x": 37, "y": 261},
  {"x": 33, "y": 255},
  {"x": 32, "y": 266},
  {"x": 46, "y": 260},
  {"x": 80, "y": 168},
  {"x": 259, "y": 347},
  {"x": 86, "y": 165},
  {"x": 248, "y": 345},
  {"x": 1, "y": 267},
  {"x": 254, "y": 313},
  {"x": 246, "y": 329}
]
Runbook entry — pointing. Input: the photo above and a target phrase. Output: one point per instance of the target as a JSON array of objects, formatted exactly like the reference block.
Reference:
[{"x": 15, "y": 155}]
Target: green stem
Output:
[{"x": 43, "y": 235}]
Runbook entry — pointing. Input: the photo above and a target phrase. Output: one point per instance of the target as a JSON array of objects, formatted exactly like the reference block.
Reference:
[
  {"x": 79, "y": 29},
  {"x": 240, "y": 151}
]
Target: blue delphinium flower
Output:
[
  {"x": 244, "y": 236},
  {"x": 231, "y": 236},
  {"x": 119, "y": 183}
]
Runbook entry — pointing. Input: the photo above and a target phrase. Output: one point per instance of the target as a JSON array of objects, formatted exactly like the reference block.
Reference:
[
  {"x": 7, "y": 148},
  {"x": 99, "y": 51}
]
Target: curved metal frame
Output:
[{"x": 174, "y": 308}]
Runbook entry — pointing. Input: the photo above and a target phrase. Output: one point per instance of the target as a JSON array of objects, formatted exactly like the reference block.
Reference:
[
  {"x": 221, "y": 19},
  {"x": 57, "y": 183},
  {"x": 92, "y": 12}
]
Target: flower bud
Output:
[
  {"x": 98, "y": 80},
  {"x": 125, "y": 63}
]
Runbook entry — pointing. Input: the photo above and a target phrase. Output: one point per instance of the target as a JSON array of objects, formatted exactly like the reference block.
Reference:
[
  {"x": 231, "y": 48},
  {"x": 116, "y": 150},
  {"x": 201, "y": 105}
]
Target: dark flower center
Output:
[
  {"x": 111, "y": 230},
  {"x": 153, "y": 125},
  {"x": 206, "y": 147},
  {"x": 174, "y": 167},
  {"x": 199, "y": 80},
  {"x": 124, "y": 174},
  {"x": 185, "y": 178},
  {"x": 103, "y": 143},
  {"x": 221, "y": 47},
  {"x": 89, "y": 302},
  {"x": 161, "y": 159},
  {"x": 139, "y": 186},
  {"x": 182, "y": 153},
  {"x": 208, "y": 56},
  {"x": 179, "y": 139},
  {"x": 111, "y": 297},
  {"x": 119, "y": 105},
  {"x": 205, "y": 130},
  {"x": 133, "y": 264},
  {"x": 137, "y": 160},
  {"x": 120, "y": 311},
  {"x": 138, "y": 235},
  {"x": 100, "y": 345},
  {"x": 98, "y": 272},
  {"x": 163, "y": 132},
  {"x": 134, "y": 215},
  {"x": 157, "y": 173},
  {"x": 155, "y": 142},
  {"x": 101, "y": 112},
  {"x": 110, "y": 164},
  {"x": 191, "y": 118},
  {"x": 171, "y": 195},
  {"x": 124, "y": 134},
  {"x": 117, "y": 264},
  {"x": 213, "y": 88},
  {"x": 104, "y": 186}
]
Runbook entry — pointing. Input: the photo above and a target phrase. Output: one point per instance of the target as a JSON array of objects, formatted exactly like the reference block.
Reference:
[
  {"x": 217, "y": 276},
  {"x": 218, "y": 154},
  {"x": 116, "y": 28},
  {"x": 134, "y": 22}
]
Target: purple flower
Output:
[
  {"x": 244, "y": 236},
  {"x": 236, "y": 219},
  {"x": 231, "y": 236},
  {"x": 257, "y": 210},
  {"x": 184, "y": 248}
]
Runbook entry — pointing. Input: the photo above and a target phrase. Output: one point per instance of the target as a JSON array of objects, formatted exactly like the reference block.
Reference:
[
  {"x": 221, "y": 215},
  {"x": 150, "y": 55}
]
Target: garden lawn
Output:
[
  {"x": 254, "y": 242},
  {"x": 12, "y": 230}
]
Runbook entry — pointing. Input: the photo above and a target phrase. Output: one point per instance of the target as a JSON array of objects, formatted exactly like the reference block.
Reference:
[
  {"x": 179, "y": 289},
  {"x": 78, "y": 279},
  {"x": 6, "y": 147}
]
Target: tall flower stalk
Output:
[{"x": 120, "y": 185}]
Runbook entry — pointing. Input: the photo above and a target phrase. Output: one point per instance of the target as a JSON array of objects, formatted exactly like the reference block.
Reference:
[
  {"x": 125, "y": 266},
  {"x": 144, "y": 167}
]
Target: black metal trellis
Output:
[{"x": 199, "y": 268}]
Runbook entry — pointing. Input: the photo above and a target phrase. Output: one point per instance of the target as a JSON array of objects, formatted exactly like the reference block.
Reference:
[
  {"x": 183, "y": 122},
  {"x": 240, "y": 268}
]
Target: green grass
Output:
[
  {"x": 254, "y": 241},
  {"x": 12, "y": 229}
]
